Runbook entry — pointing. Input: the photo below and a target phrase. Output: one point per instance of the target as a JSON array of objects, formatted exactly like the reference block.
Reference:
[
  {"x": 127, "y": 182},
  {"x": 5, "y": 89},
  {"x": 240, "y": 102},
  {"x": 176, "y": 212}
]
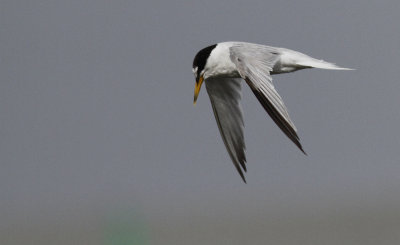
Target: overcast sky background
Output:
[{"x": 96, "y": 118}]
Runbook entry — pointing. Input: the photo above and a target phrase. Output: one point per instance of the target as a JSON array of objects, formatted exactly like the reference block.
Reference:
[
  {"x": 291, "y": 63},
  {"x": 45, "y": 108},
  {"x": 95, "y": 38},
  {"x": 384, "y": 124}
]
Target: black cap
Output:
[{"x": 201, "y": 58}]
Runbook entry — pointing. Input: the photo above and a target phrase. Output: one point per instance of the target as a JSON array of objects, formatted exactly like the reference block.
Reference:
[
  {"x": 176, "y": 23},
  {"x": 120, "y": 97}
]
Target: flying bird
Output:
[{"x": 223, "y": 66}]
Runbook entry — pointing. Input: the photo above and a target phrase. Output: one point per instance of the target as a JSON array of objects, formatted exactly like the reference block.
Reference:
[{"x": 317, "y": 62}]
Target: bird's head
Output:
[{"x": 199, "y": 68}]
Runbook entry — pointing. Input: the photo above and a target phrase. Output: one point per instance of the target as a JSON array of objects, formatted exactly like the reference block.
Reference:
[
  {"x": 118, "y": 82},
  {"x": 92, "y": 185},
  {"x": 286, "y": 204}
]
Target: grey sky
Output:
[{"x": 96, "y": 110}]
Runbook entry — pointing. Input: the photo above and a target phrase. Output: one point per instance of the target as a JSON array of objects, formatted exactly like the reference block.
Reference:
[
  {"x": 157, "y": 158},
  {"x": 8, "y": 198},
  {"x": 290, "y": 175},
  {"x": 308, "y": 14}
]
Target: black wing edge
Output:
[{"x": 276, "y": 116}]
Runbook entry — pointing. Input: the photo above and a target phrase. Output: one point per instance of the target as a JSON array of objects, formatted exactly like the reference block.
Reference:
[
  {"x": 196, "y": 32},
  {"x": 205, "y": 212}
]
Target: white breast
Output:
[{"x": 219, "y": 63}]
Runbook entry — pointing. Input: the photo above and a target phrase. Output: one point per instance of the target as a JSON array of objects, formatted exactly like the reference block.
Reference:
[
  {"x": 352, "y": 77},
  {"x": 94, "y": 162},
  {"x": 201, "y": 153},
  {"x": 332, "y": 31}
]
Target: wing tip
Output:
[
  {"x": 302, "y": 150},
  {"x": 244, "y": 179},
  {"x": 241, "y": 172},
  {"x": 243, "y": 165},
  {"x": 296, "y": 141}
]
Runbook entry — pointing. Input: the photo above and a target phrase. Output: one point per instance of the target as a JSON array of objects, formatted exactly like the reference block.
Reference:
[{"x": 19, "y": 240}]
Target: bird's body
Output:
[{"x": 224, "y": 65}]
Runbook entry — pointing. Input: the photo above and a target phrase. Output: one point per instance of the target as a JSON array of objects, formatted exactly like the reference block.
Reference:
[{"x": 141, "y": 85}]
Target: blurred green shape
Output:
[{"x": 125, "y": 228}]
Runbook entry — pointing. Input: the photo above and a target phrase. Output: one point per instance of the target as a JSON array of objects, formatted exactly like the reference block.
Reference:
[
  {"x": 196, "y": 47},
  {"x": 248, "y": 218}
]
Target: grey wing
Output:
[
  {"x": 254, "y": 63},
  {"x": 225, "y": 95}
]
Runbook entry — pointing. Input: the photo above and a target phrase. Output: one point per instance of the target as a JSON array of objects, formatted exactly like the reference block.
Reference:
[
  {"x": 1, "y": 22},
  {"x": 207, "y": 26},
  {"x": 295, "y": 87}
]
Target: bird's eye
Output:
[{"x": 195, "y": 70}]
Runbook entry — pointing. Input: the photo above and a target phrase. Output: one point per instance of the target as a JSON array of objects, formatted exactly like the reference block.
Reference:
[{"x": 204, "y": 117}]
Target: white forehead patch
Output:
[{"x": 195, "y": 70}]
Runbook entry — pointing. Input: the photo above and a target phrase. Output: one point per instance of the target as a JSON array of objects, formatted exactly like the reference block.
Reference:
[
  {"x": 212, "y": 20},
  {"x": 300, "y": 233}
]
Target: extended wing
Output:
[
  {"x": 225, "y": 95},
  {"x": 254, "y": 63}
]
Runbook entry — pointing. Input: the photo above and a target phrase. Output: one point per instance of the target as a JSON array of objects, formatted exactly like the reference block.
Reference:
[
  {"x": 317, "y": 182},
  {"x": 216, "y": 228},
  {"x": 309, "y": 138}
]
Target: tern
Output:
[{"x": 223, "y": 67}]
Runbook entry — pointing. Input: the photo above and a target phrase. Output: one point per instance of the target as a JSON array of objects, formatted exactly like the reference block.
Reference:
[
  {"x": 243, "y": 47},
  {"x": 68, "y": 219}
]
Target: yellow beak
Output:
[{"x": 197, "y": 88}]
